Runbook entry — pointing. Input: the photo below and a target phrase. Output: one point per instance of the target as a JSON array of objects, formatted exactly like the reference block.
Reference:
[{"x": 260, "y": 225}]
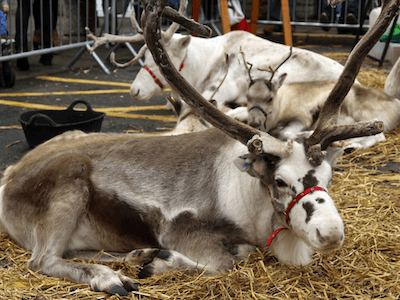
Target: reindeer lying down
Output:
[
  {"x": 195, "y": 201},
  {"x": 286, "y": 109}
]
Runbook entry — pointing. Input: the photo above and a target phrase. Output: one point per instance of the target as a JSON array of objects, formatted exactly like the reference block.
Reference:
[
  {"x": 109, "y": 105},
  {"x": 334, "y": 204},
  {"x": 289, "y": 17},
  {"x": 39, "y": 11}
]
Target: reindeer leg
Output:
[
  {"x": 197, "y": 246},
  {"x": 49, "y": 226},
  {"x": 157, "y": 261}
]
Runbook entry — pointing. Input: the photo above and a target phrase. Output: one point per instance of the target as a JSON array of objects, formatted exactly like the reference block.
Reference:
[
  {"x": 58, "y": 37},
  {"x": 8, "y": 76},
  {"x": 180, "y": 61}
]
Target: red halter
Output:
[
  {"x": 294, "y": 201},
  {"x": 155, "y": 77}
]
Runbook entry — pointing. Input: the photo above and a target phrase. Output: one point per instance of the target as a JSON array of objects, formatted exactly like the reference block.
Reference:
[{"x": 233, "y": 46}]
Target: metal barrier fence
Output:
[
  {"x": 64, "y": 25},
  {"x": 350, "y": 15},
  {"x": 64, "y": 21}
]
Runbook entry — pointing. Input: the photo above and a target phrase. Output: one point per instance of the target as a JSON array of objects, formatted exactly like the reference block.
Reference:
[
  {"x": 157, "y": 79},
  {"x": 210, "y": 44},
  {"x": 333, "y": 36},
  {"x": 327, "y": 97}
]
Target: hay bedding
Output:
[{"x": 366, "y": 193}]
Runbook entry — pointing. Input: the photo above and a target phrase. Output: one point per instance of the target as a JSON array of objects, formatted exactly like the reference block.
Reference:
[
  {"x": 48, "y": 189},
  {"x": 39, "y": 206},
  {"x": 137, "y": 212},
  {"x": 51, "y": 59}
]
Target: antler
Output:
[
  {"x": 175, "y": 25},
  {"x": 258, "y": 142},
  {"x": 169, "y": 13},
  {"x": 133, "y": 61},
  {"x": 326, "y": 129},
  {"x": 111, "y": 38},
  {"x": 245, "y": 65},
  {"x": 273, "y": 71}
]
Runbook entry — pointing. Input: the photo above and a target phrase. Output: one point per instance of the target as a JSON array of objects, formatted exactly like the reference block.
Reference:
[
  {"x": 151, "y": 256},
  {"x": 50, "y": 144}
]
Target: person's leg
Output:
[
  {"x": 352, "y": 12},
  {"x": 54, "y": 18},
  {"x": 274, "y": 8},
  {"x": 37, "y": 35},
  {"x": 46, "y": 27},
  {"x": 327, "y": 15},
  {"x": 292, "y": 10},
  {"x": 21, "y": 27}
]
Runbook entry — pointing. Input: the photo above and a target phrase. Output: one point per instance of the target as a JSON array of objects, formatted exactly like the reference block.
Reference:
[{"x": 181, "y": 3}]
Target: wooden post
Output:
[
  {"x": 196, "y": 12},
  {"x": 255, "y": 8},
  {"x": 287, "y": 29},
  {"x": 225, "y": 16}
]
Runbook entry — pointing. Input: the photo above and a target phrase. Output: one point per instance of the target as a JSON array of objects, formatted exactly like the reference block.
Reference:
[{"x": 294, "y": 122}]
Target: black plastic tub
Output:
[{"x": 42, "y": 125}]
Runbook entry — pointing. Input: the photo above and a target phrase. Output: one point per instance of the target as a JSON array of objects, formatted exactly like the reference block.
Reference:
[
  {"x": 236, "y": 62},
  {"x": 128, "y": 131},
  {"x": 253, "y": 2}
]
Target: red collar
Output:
[
  {"x": 155, "y": 77},
  {"x": 294, "y": 201}
]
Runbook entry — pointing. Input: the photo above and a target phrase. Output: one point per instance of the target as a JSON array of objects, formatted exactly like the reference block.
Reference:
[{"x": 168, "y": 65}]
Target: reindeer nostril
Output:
[
  {"x": 254, "y": 124},
  {"x": 329, "y": 241},
  {"x": 320, "y": 237},
  {"x": 135, "y": 93}
]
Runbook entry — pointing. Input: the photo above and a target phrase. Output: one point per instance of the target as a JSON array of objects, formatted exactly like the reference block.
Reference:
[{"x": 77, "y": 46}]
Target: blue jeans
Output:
[{"x": 275, "y": 10}]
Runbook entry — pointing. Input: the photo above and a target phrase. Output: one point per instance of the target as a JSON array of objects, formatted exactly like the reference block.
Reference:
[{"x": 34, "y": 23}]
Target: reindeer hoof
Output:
[
  {"x": 118, "y": 290},
  {"x": 143, "y": 257},
  {"x": 130, "y": 286}
]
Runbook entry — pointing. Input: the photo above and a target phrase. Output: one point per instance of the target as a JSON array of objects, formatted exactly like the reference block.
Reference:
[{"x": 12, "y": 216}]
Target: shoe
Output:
[
  {"x": 8, "y": 74},
  {"x": 55, "y": 38},
  {"x": 324, "y": 19},
  {"x": 351, "y": 19},
  {"x": 270, "y": 29},
  {"x": 45, "y": 59},
  {"x": 23, "y": 64},
  {"x": 36, "y": 38},
  {"x": 56, "y": 41}
]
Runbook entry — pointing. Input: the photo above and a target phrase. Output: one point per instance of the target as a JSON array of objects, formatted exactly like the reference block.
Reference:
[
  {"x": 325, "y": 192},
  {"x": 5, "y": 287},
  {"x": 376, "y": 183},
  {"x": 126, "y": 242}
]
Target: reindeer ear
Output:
[
  {"x": 247, "y": 163},
  {"x": 333, "y": 154},
  {"x": 281, "y": 79},
  {"x": 214, "y": 102},
  {"x": 184, "y": 42}
]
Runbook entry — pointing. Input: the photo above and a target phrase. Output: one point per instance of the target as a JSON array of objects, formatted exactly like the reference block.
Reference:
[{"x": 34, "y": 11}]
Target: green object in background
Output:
[{"x": 395, "y": 36}]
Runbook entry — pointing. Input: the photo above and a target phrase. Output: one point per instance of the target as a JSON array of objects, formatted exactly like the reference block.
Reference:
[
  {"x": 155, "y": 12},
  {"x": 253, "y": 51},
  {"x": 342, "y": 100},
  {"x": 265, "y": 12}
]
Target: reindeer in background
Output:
[
  {"x": 203, "y": 63},
  {"x": 285, "y": 110}
]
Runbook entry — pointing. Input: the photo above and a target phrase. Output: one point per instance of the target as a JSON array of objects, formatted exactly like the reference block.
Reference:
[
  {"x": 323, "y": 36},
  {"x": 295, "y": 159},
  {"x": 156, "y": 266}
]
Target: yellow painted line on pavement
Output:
[
  {"x": 112, "y": 112},
  {"x": 146, "y": 117},
  {"x": 94, "y": 92},
  {"x": 52, "y": 78},
  {"x": 60, "y": 79},
  {"x": 30, "y": 105},
  {"x": 133, "y": 108}
]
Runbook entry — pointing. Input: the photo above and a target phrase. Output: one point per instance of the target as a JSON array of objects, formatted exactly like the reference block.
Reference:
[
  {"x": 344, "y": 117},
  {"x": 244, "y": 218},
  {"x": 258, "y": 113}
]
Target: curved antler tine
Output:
[
  {"x": 135, "y": 23},
  {"x": 273, "y": 71},
  {"x": 175, "y": 26},
  {"x": 133, "y": 61},
  {"x": 326, "y": 130},
  {"x": 111, "y": 38},
  {"x": 325, "y": 136},
  {"x": 286, "y": 59},
  {"x": 276, "y": 69},
  {"x": 245, "y": 64},
  {"x": 239, "y": 131}
]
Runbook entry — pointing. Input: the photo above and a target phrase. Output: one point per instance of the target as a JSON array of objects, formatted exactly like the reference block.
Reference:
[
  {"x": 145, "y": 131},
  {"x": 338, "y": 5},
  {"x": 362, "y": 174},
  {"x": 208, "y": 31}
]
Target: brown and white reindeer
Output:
[
  {"x": 287, "y": 109},
  {"x": 196, "y": 201}
]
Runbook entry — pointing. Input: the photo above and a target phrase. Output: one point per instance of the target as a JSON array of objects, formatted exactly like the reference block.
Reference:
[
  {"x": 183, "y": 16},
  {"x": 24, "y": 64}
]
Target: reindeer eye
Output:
[
  {"x": 280, "y": 183},
  {"x": 270, "y": 100}
]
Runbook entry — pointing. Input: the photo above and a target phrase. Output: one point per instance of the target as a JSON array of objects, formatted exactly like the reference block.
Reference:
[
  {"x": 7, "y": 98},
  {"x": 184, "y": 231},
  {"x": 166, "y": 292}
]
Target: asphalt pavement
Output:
[
  {"x": 52, "y": 87},
  {"x": 46, "y": 87}
]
